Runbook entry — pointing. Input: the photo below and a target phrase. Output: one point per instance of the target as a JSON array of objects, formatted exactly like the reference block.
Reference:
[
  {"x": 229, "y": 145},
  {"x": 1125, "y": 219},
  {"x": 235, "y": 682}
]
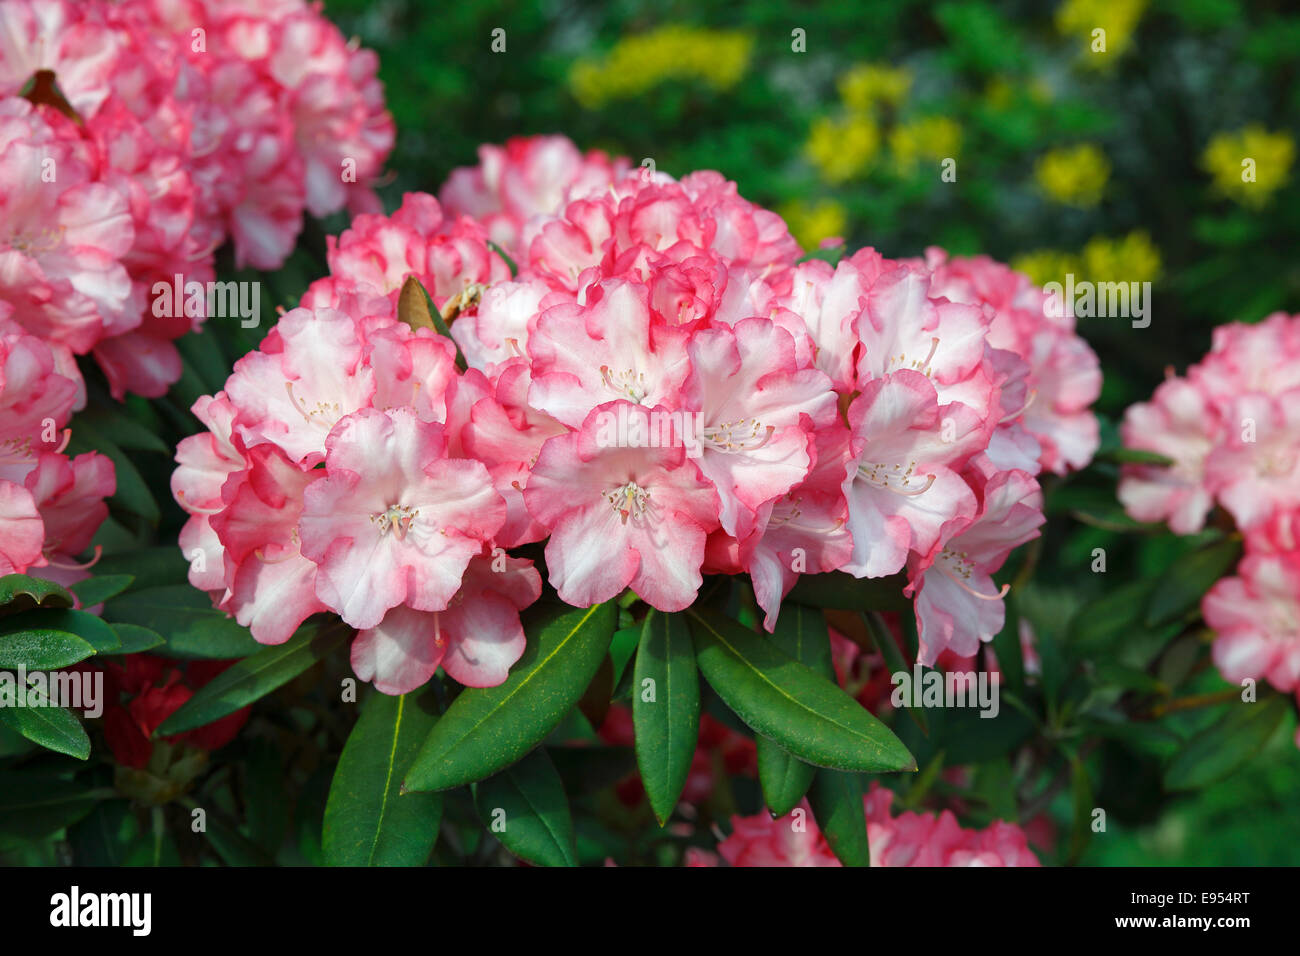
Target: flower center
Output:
[
  {"x": 325, "y": 414},
  {"x": 748, "y": 434},
  {"x": 895, "y": 478},
  {"x": 923, "y": 366},
  {"x": 34, "y": 243},
  {"x": 627, "y": 384},
  {"x": 396, "y": 518},
  {"x": 630, "y": 500}
]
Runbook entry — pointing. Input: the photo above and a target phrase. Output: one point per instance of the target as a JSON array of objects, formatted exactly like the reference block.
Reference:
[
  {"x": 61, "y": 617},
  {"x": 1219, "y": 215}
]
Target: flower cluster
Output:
[
  {"x": 663, "y": 390},
  {"x": 50, "y": 504},
  {"x": 1231, "y": 428},
  {"x": 905, "y": 839},
  {"x": 136, "y": 136}
]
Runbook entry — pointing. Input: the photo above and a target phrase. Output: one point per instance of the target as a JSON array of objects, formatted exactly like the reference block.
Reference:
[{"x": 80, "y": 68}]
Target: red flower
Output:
[{"x": 155, "y": 688}]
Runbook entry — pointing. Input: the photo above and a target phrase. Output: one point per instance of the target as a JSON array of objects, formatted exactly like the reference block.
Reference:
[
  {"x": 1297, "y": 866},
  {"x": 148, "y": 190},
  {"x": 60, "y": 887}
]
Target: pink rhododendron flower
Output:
[
  {"x": 1064, "y": 377},
  {"x": 621, "y": 516},
  {"x": 394, "y": 521},
  {"x": 908, "y": 839},
  {"x": 527, "y": 177},
  {"x": 1231, "y": 429},
  {"x": 957, "y": 604},
  {"x": 661, "y": 391}
]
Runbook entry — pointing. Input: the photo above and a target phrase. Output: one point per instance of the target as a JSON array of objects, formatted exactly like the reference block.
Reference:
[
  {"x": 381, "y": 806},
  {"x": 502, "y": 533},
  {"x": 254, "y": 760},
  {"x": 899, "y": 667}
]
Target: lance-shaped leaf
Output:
[
  {"x": 254, "y": 677},
  {"x": 40, "y": 649},
  {"x": 802, "y": 633},
  {"x": 52, "y": 727},
  {"x": 89, "y": 628},
  {"x": 368, "y": 822},
  {"x": 19, "y": 591},
  {"x": 415, "y": 308},
  {"x": 780, "y": 698},
  {"x": 524, "y": 806},
  {"x": 836, "y": 801},
  {"x": 486, "y": 729},
  {"x": 1226, "y": 744},
  {"x": 665, "y": 709},
  {"x": 1183, "y": 585}
]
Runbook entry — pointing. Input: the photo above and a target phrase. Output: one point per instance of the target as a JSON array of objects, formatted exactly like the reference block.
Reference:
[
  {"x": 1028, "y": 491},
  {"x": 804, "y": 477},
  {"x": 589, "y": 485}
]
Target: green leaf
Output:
[
  {"x": 89, "y": 628},
  {"x": 113, "y": 423},
  {"x": 892, "y": 655},
  {"x": 54, "y": 728},
  {"x": 802, "y": 633},
  {"x": 415, "y": 307},
  {"x": 151, "y": 567},
  {"x": 836, "y": 801},
  {"x": 33, "y": 805},
  {"x": 1183, "y": 585},
  {"x": 32, "y": 592},
  {"x": 1134, "y": 456},
  {"x": 132, "y": 493},
  {"x": 524, "y": 806},
  {"x": 99, "y": 589},
  {"x": 253, "y": 678},
  {"x": 843, "y": 592},
  {"x": 667, "y": 726},
  {"x": 367, "y": 822},
  {"x": 135, "y": 639},
  {"x": 41, "y": 649},
  {"x": 184, "y": 616},
  {"x": 780, "y": 698},
  {"x": 488, "y": 728},
  {"x": 1226, "y": 744}
]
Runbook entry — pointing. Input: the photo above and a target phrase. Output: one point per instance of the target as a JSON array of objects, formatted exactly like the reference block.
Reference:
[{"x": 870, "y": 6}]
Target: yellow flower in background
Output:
[
  {"x": 1250, "y": 183},
  {"x": 1118, "y": 18},
  {"x": 868, "y": 84},
  {"x": 842, "y": 148},
  {"x": 1075, "y": 176},
  {"x": 1134, "y": 257},
  {"x": 811, "y": 222},
  {"x": 927, "y": 137},
  {"x": 1047, "y": 265},
  {"x": 638, "y": 64}
]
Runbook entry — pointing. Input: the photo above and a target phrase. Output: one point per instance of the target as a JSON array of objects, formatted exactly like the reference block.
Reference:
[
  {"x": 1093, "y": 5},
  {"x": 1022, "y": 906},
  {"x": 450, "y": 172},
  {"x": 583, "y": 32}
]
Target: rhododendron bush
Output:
[{"x": 570, "y": 511}]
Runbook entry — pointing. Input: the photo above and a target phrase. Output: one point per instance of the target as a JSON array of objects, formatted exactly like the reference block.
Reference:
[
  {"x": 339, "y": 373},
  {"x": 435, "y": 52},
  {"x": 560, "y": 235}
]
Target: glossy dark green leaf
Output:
[
  {"x": 34, "y": 805},
  {"x": 842, "y": 591},
  {"x": 1226, "y": 744},
  {"x": 134, "y": 639},
  {"x": 150, "y": 567},
  {"x": 54, "y": 728},
  {"x": 524, "y": 806},
  {"x": 99, "y": 589},
  {"x": 368, "y": 822},
  {"x": 30, "y": 592},
  {"x": 132, "y": 493},
  {"x": 780, "y": 698},
  {"x": 836, "y": 801},
  {"x": 88, "y": 627},
  {"x": 40, "y": 649},
  {"x": 802, "y": 633},
  {"x": 185, "y": 617},
  {"x": 254, "y": 677},
  {"x": 488, "y": 728},
  {"x": 1182, "y": 586},
  {"x": 665, "y": 709},
  {"x": 105, "y": 421}
]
